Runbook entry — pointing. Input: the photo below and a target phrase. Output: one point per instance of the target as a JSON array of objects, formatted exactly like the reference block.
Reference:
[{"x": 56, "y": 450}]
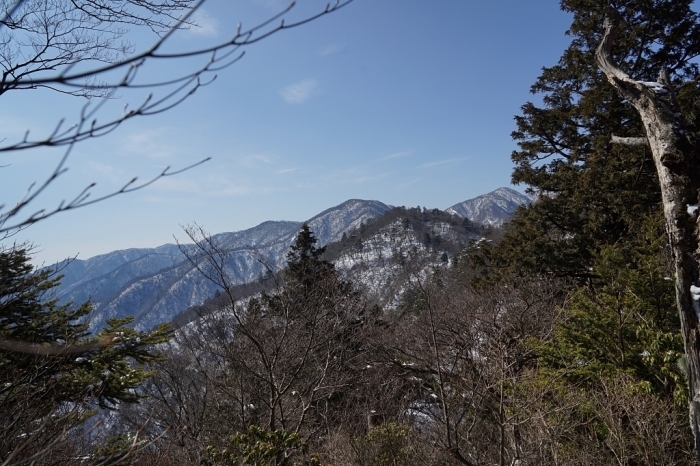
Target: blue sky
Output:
[{"x": 409, "y": 102}]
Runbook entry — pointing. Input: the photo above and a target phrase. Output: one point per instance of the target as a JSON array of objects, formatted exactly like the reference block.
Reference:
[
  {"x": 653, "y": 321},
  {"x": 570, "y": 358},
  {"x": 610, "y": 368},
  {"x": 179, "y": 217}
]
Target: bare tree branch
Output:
[
  {"x": 30, "y": 72},
  {"x": 629, "y": 141}
]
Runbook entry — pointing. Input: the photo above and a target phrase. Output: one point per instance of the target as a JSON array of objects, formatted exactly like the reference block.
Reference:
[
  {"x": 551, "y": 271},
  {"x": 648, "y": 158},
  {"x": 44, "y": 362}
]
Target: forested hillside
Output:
[
  {"x": 556, "y": 342},
  {"x": 417, "y": 337}
]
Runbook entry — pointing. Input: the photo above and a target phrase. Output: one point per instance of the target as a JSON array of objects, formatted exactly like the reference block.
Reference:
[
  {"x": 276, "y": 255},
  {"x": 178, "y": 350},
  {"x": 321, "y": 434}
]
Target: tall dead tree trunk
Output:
[{"x": 675, "y": 153}]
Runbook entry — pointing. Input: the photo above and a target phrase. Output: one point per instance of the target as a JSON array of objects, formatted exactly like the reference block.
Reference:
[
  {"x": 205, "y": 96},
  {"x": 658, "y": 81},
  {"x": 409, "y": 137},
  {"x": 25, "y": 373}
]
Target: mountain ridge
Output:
[
  {"x": 491, "y": 209},
  {"x": 154, "y": 284}
]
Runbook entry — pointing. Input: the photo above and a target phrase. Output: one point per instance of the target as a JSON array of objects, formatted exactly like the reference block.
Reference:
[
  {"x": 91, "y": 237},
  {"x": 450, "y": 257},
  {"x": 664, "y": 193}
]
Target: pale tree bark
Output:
[
  {"x": 629, "y": 141},
  {"x": 675, "y": 153}
]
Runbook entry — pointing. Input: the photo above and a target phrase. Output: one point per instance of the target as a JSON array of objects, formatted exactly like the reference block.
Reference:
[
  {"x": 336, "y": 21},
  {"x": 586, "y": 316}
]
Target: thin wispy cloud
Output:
[
  {"x": 177, "y": 185},
  {"x": 331, "y": 49},
  {"x": 285, "y": 171},
  {"x": 363, "y": 179},
  {"x": 157, "y": 199},
  {"x": 411, "y": 183},
  {"x": 351, "y": 176},
  {"x": 299, "y": 92},
  {"x": 254, "y": 160},
  {"x": 441, "y": 162},
  {"x": 225, "y": 185},
  {"x": 109, "y": 172},
  {"x": 11, "y": 129},
  {"x": 205, "y": 24},
  {"x": 396, "y": 155},
  {"x": 105, "y": 168},
  {"x": 231, "y": 189}
]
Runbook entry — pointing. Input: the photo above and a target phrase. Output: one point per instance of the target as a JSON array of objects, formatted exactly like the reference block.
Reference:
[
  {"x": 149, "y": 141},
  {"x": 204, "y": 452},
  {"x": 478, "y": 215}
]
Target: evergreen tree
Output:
[
  {"x": 297, "y": 354},
  {"x": 259, "y": 447},
  {"x": 304, "y": 264},
  {"x": 53, "y": 374},
  {"x": 672, "y": 138},
  {"x": 591, "y": 192},
  {"x": 598, "y": 219},
  {"x": 614, "y": 365},
  {"x": 625, "y": 323}
]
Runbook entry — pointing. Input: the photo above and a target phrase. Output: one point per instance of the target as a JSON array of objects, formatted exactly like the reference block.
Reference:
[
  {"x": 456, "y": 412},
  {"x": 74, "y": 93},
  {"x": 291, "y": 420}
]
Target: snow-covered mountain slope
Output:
[
  {"x": 329, "y": 225},
  {"x": 491, "y": 209},
  {"x": 397, "y": 249},
  {"x": 100, "y": 276},
  {"x": 153, "y": 285},
  {"x": 384, "y": 257}
]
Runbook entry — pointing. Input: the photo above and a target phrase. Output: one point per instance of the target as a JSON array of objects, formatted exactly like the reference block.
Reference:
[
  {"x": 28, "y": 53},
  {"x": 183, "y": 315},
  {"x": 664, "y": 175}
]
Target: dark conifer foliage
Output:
[
  {"x": 53, "y": 373},
  {"x": 304, "y": 264},
  {"x": 614, "y": 355},
  {"x": 591, "y": 191}
]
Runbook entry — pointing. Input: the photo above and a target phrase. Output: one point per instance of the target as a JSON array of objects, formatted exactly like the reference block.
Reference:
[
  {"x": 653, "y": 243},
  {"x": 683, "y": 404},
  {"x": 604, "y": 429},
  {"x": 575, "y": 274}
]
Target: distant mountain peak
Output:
[
  {"x": 491, "y": 209},
  {"x": 329, "y": 225},
  {"x": 154, "y": 284},
  {"x": 506, "y": 192}
]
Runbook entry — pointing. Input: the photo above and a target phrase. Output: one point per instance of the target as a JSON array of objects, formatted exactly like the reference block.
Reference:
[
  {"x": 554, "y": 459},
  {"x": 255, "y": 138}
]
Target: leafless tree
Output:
[
  {"x": 468, "y": 349},
  {"x": 292, "y": 358},
  {"x": 188, "y": 406},
  {"x": 641, "y": 429},
  {"x": 39, "y": 37},
  {"x": 76, "y": 47}
]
